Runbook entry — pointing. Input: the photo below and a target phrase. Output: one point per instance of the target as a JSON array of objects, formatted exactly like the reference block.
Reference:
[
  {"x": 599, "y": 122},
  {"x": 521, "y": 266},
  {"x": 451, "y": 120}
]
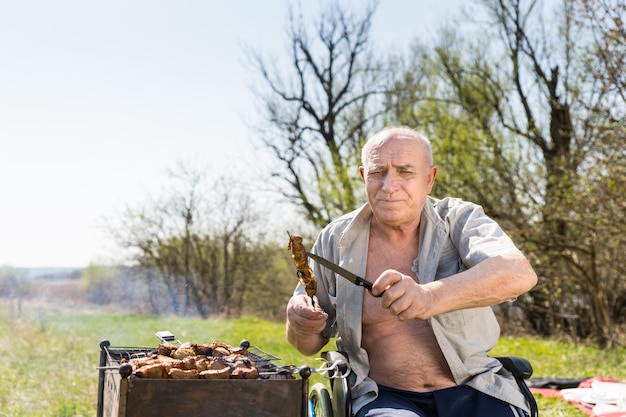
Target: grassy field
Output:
[{"x": 49, "y": 355}]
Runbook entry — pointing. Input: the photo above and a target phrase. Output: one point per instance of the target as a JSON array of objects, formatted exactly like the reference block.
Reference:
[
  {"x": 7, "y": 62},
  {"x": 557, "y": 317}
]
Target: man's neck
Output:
[{"x": 395, "y": 234}]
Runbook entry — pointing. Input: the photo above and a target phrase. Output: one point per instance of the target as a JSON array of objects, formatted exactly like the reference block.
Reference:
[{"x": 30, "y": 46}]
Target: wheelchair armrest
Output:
[{"x": 519, "y": 367}]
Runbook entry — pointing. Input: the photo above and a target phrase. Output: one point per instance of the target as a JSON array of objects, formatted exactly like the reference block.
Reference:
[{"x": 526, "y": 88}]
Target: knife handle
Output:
[
  {"x": 368, "y": 285},
  {"x": 365, "y": 283}
]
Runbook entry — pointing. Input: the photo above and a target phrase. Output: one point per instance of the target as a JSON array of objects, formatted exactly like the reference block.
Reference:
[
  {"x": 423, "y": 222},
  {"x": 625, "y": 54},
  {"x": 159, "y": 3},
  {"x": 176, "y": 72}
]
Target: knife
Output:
[{"x": 353, "y": 278}]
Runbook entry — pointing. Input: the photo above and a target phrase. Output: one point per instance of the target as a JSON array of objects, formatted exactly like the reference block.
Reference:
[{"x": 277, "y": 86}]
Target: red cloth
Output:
[{"x": 550, "y": 392}]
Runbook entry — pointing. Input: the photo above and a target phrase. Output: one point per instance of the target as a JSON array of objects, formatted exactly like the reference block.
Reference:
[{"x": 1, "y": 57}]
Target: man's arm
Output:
[
  {"x": 305, "y": 325},
  {"x": 488, "y": 283}
]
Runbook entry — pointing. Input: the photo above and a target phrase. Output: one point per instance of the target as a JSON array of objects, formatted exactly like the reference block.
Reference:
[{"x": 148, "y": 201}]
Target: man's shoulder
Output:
[
  {"x": 445, "y": 206},
  {"x": 347, "y": 225},
  {"x": 345, "y": 219}
]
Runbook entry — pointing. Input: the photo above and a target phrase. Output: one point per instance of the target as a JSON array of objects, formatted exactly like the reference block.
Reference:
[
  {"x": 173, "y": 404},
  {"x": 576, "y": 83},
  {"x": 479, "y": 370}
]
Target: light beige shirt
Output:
[{"x": 454, "y": 235}]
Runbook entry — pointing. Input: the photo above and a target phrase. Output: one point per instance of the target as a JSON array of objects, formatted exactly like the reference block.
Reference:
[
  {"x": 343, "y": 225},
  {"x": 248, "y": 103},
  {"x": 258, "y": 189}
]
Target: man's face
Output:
[{"x": 398, "y": 178}]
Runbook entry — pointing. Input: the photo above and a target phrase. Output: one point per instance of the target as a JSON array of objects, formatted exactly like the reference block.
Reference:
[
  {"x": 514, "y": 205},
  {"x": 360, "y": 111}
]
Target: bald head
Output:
[{"x": 400, "y": 132}]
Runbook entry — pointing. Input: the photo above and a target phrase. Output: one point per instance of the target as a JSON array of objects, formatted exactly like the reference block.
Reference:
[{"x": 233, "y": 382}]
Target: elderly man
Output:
[{"x": 421, "y": 348}]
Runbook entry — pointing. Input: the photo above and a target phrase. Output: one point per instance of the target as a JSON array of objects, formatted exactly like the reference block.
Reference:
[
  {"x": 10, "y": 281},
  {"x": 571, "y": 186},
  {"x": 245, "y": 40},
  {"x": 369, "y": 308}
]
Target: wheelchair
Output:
[{"x": 336, "y": 402}]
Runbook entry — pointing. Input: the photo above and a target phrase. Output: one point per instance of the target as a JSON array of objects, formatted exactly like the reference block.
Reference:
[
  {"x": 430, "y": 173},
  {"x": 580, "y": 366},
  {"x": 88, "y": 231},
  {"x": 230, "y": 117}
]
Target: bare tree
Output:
[
  {"x": 605, "y": 23},
  {"x": 528, "y": 112},
  {"x": 198, "y": 246},
  {"x": 319, "y": 112}
]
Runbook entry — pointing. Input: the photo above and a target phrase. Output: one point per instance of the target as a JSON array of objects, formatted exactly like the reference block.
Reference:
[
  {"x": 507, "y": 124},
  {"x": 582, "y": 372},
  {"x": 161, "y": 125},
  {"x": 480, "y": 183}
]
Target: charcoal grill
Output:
[{"x": 280, "y": 391}]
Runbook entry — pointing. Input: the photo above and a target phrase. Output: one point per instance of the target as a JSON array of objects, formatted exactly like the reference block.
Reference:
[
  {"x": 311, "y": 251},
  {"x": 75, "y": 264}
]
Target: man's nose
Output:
[{"x": 390, "y": 183}]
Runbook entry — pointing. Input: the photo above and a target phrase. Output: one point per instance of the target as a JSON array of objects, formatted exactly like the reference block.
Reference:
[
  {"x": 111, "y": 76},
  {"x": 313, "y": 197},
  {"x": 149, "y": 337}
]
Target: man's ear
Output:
[
  {"x": 362, "y": 172},
  {"x": 432, "y": 174}
]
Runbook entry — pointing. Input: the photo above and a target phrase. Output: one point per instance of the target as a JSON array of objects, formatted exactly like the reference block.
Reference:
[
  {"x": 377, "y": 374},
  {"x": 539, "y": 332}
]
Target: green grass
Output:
[
  {"x": 554, "y": 358},
  {"x": 48, "y": 356},
  {"x": 560, "y": 359}
]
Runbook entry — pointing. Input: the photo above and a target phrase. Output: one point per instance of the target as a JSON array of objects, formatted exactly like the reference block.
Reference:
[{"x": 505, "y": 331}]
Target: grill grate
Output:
[
  {"x": 117, "y": 354},
  {"x": 257, "y": 355}
]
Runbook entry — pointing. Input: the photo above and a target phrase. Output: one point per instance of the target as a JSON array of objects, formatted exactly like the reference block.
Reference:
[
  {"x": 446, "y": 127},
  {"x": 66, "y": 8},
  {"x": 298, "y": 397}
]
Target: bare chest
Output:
[
  {"x": 404, "y": 355},
  {"x": 378, "y": 261}
]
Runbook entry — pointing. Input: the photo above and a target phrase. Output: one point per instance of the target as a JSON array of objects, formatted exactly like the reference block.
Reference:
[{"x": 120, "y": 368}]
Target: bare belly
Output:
[{"x": 403, "y": 355}]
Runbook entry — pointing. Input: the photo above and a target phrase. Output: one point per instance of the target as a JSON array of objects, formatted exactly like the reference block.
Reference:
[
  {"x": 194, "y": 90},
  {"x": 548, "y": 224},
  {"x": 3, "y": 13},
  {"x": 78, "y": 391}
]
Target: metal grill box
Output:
[{"x": 276, "y": 393}]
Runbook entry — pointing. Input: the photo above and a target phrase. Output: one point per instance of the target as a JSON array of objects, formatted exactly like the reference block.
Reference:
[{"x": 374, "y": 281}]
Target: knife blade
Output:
[{"x": 353, "y": 278}]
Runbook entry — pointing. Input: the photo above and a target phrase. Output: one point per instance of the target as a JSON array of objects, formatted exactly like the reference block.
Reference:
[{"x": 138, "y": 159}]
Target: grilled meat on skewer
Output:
[{"x": 301, "y": 261}]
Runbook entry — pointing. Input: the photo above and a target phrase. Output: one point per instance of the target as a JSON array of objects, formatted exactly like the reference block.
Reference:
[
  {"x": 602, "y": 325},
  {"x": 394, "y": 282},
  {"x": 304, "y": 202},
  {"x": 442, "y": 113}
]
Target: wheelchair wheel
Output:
[
  {"x": 319, "y": 401},
  {"x": 342, "y": 406}
]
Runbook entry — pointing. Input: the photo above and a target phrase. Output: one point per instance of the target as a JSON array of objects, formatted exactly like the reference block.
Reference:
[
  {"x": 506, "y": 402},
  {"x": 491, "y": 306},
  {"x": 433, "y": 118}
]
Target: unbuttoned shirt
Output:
[{"x": 454, "y": 236}]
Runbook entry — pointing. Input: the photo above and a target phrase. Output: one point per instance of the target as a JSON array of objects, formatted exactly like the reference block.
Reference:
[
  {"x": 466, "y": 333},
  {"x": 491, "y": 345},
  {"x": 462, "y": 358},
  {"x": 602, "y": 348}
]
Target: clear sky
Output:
[{"x": 98, "y": 98}]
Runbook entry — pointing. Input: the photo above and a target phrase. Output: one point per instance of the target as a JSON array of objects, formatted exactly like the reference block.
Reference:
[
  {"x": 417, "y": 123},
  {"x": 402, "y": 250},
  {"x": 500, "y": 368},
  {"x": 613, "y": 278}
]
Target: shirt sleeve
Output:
[{"x": 477, "y": 236}]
